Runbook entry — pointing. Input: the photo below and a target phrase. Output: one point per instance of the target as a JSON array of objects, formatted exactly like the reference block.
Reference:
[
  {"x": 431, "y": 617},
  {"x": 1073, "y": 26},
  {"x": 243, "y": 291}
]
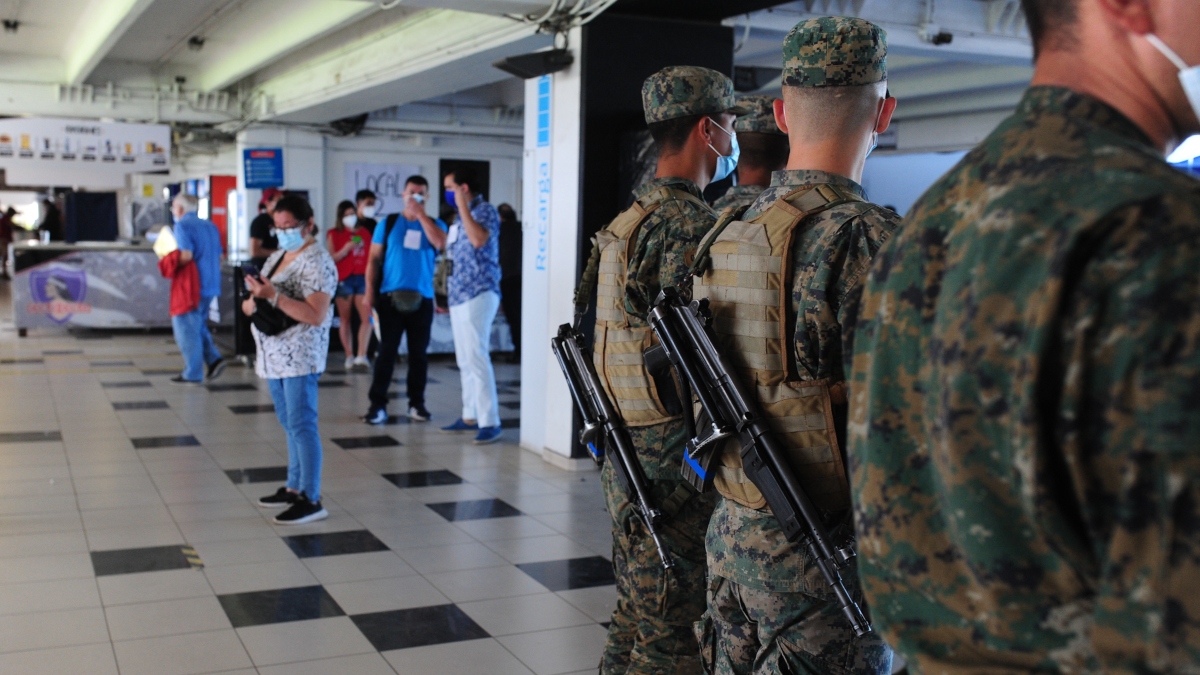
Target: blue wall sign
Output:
[{"x": 263, "y": 167}]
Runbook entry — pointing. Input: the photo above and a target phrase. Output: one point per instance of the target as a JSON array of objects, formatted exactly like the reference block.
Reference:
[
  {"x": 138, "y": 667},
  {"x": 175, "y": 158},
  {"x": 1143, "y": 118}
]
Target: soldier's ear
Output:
[
  {"x": 885, "y": 116},
  {"x": 780, "y": 115}
]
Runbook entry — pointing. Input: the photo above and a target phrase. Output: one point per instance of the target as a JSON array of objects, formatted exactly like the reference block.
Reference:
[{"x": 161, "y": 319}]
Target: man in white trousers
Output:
[{"x": 473, "y": 247}]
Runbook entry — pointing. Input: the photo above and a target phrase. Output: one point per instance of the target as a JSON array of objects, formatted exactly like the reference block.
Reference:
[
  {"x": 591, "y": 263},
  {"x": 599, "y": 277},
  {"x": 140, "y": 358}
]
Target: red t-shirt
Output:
[{"x": 355, "y": 262}]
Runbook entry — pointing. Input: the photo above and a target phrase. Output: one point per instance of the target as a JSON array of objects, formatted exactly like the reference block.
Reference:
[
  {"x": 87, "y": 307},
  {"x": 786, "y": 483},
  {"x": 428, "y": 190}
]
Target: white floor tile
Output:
[
  {"x": 380, "y": 595},
  {"x": 189, "y": 654},
  {"x": 558, "y": 651},
  {"x": 471, "y": 657},
  {"x": 96, "y": 659},
  {"x": 524, "y": 614},
  {"x": 304, "y": 640},
  {"x": 170, "y": 617}
]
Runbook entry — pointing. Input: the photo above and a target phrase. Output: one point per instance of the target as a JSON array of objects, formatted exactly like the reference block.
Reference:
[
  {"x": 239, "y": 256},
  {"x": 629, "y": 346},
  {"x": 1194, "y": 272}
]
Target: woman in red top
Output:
[{"x": 349, "y": 244}]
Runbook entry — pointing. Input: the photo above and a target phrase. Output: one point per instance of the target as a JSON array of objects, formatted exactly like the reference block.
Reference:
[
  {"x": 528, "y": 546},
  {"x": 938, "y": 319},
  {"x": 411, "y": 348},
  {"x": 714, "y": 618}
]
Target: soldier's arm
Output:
[
  {"x": 827, "y": 286},
  {"x": 666, "y": 244},
  {"x": 1131, "y": 387}
]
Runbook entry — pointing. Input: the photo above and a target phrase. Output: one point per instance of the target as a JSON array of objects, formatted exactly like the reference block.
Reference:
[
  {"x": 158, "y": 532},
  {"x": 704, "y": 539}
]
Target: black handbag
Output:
[{"x": 267, "y": 318}]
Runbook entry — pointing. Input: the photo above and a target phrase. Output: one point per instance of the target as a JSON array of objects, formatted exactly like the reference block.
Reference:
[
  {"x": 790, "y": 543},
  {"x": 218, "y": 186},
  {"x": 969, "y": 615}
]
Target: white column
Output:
[
  {"x": 303, "y": 167},
  {"x": 551, "y": 201}
]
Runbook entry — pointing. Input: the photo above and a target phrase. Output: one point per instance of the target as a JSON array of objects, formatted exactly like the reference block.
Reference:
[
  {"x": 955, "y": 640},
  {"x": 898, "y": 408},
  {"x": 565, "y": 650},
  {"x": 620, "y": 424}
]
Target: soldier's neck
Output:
[
  {"x": 1113, "y": 81},
  {"x": 828, "y": 156},
  {"x": 753, "y": 175},
  {"x": 688, "y": 163}
]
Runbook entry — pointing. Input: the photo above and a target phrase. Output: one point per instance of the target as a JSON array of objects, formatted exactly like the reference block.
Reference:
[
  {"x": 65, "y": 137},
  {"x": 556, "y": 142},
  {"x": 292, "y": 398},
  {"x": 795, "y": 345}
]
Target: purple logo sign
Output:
[{"x": 58, "y": 292}]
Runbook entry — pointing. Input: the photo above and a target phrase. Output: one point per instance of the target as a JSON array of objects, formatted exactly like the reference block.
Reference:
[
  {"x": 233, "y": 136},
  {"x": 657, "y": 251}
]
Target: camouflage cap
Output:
[
  {"x": 759, "y": 117},
  {"x": 834, "y": 51},
  {"x": 680, "y": 91}
]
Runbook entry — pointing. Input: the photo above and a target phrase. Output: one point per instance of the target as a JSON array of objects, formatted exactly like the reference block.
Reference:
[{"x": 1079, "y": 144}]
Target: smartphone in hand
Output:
[{"x": 251, "y": 270}]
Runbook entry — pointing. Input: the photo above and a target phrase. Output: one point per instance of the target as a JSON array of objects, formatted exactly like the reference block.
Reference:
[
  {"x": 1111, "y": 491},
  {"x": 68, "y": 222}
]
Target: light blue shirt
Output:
[
  {"x": 408, "y": 258},
  {"x": 203, "y": 239}
]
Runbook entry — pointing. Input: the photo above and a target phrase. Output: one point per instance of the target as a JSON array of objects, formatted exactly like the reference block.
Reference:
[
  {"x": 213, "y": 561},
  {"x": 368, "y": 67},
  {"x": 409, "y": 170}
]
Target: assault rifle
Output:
[
  {"x": 604, "y": 430},
  {"x": 683, "y": 331}
]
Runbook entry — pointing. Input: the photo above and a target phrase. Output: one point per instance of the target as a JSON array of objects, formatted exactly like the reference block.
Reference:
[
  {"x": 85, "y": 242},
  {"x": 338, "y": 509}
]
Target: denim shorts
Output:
[{"x": 355, "y": 284}]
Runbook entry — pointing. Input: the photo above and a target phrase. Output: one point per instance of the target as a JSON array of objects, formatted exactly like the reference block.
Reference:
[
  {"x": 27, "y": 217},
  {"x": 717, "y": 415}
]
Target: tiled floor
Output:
[{"x": 130, "y": 542}]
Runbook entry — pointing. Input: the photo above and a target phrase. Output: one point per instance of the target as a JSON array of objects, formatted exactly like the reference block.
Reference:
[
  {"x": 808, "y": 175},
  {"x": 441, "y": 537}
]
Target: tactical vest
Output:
[
  {"x": 620, "y": 338},
  {"x": 747, "y": 280}
]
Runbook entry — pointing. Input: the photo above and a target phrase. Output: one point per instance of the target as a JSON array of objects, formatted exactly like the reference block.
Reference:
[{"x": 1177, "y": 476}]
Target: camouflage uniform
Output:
[
  {"x": 1024, "y": 425},
  {"x": 651, "y": 630},
  {"x": 770, "y": 610},
  {"x": 759, "y": 119}
]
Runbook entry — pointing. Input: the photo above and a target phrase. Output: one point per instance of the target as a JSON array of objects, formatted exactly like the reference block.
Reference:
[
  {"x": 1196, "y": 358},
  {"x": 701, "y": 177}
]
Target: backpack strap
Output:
[{"x": 702, "y": 261}]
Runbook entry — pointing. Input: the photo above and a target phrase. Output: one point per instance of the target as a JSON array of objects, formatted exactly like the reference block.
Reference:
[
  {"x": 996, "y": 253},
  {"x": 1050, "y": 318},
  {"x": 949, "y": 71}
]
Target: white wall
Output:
[
  {"x": 899, "y": 180},
  {"x": 547, "y": 410}
]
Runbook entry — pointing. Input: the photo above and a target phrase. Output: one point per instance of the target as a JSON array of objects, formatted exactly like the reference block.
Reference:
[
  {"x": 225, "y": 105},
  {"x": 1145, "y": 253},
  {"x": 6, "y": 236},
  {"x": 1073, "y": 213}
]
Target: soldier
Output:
[
  {"x": 764, "y": 151},
  {"x": 690, "y": 112},
  {"x": 1026, "y": 372},
  {"x": 812, "y": 233}
]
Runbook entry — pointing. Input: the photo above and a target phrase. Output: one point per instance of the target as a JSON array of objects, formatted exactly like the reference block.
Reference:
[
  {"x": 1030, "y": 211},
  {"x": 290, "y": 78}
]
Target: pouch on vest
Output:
[
  {"x": 620, "y": 339},
  {"x": 747, "y": 283}
]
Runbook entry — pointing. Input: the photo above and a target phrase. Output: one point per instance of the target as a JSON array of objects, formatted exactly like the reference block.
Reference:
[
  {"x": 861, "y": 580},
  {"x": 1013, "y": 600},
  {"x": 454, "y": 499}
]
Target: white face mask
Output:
[
  {"x": 1189, "y": 76},
  {"x": 349, "y": 220},
  {"x": 368, "y": 211}
]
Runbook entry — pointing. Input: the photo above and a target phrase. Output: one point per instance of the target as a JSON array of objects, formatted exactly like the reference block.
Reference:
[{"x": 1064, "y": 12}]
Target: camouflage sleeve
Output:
[
  {"x": 666, "y": 244},
  {"x": 826, "y": 285},
  {"x": 1130, "y": 431}
]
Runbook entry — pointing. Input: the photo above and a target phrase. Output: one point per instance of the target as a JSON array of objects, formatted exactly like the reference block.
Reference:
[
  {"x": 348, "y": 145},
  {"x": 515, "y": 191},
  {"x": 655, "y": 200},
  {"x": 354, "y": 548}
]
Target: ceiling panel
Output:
[
  {"x": 162, "y": 26},
  {"x": 46, "y": 25}
]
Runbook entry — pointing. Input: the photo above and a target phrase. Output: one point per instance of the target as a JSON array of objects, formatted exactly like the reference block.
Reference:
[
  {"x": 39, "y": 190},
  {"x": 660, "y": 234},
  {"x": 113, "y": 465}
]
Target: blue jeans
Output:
[
  {"x": 296, "y": 407},
  {"x": 195, "y": 341}
]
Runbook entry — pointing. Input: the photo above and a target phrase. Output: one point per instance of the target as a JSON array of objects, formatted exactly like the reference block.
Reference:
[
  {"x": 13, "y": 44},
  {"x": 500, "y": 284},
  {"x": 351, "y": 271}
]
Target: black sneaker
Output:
[
  {"x": 376, "y": 416},
  {"x": 280, "y": 499},
  {"x": 178, "y": 379},
  {"x": 215, "y": 369},
  {"x": 303, "y": 511},
  {"x": 418, "y": 413}
]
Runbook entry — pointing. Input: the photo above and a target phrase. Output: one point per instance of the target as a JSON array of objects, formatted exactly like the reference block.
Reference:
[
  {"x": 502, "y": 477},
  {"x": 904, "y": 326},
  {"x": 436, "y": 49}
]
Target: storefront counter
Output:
[{"x": 88, "y": 285}]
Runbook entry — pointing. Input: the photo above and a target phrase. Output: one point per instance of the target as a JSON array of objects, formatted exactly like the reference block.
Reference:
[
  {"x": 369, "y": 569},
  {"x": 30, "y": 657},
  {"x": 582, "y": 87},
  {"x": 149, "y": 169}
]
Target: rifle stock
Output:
[
  {"x": 602, "y": 423},
  {"x": 682, "y": 329}
]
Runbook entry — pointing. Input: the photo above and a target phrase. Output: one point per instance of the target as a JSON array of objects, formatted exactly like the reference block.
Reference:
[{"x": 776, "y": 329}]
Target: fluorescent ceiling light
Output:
[{"x": 1186, "y": 152}]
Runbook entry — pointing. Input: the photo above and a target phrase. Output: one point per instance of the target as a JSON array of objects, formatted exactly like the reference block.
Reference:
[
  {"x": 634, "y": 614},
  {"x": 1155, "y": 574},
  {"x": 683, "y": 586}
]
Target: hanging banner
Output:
[
  {"x": 386, "y": 181},
  {"x": 54, "y": 151}
]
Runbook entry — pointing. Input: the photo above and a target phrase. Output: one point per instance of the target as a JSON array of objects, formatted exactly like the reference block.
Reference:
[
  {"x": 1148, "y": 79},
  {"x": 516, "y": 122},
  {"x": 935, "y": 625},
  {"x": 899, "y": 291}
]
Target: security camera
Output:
[{"x": 11, "y": 25}]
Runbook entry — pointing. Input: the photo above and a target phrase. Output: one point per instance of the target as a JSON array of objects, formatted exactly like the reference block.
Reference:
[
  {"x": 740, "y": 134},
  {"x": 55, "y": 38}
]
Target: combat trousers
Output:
[
  {"x": 651, "y": 630},
  {"x": 748, "y": 631}
]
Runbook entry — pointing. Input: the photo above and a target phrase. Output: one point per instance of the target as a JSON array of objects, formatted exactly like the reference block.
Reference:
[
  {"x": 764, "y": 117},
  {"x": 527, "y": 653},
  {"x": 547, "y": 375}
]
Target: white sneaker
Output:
[
  {"x": 349, "y": 363},
  {"x": 362, "y": 362}
]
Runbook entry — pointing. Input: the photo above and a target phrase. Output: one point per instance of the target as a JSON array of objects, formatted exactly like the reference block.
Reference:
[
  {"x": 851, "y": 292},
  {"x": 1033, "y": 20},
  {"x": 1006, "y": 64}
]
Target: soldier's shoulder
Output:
[{"x": 681, "y": 213}]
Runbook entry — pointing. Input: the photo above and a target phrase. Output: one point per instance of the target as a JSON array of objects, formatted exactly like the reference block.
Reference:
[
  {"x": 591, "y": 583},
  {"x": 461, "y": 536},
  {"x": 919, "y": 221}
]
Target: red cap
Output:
[{"x": 269, "y": 194}]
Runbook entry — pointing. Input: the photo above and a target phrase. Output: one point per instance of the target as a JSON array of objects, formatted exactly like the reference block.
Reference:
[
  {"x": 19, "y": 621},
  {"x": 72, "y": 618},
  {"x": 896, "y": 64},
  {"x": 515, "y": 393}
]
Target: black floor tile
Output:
[
  {"x": 134, "y": 560},
  {"x": 508, "y": 383},
  {"x": 366, "y": 442},
  {"x": 8, "y": 362},
  {"x": 475, "y": 509},
  {"x": 423, "y": 478},
  {"x": 511, "y": 405},
  {"x": 418, "y": 627},
  {"x": 402, "y": 380},
  {"x": 140, "y": 405},
  {"x": 278, "y": 606},
  {"x": 146, "y": 442},
  {"x": 334, "y": 543},
  {"x": 514, "y": 423},
  {"x": 240, "y": 386},
  {"x": 111, "y": 364},
  {"x": 337, "y": 371},
  {"x": 151, "y": 372},
  {"x": 252, "y": 409},
  {"x": 262, "y": 474},
  {"x": 30, "y": 436},
  {"x": 564, "y": 575},
  {"x": 326, "y": 384},
  {"x": 91, "y": 336},
  {"x": 61, "y": 352},
  {"x": 393, "y": 420},
  {"x": 137, "y": 384}
]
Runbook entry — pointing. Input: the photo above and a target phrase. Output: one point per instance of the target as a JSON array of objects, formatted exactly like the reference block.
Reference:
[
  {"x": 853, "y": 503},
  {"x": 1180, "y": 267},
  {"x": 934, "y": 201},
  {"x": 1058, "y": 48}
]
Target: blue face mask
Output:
[
  {"x": 726, "y": 163},
  {"x": 290, "y": 239},
  {"x": 450, "y": 198}
]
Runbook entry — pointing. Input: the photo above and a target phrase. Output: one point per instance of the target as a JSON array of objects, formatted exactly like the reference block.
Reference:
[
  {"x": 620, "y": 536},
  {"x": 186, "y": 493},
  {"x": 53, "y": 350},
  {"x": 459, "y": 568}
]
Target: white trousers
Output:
[{"x": 472, "y": 325}]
